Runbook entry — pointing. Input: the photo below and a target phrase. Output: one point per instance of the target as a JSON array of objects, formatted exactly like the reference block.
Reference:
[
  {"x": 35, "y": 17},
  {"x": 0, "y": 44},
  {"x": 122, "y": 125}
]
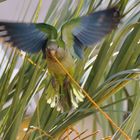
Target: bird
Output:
[{"x": 67, "y": 44}]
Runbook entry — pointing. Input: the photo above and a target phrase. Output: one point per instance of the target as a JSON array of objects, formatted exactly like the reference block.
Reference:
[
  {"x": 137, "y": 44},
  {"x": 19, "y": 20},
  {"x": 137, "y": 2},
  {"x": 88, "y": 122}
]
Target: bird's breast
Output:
[{"x": 65, "y": 59}]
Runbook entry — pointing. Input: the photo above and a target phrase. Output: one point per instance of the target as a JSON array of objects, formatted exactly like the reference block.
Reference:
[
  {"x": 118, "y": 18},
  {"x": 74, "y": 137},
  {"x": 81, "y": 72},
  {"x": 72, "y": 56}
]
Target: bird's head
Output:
[
  {"x": 51, "y": 48},
  {"x": 54, "y": 49}
]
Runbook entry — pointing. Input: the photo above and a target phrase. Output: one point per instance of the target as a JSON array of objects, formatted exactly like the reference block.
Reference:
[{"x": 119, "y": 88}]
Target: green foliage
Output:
[{"x": 109, "y": 74}]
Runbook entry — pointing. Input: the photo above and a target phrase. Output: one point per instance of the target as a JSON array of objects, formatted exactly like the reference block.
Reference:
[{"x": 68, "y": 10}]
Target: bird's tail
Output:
[{"x": 65, "y": 96}]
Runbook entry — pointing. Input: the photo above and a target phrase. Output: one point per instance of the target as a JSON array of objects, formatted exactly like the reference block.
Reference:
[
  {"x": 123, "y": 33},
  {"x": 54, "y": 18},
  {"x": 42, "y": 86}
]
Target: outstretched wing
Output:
[
  {"x": 89, "y": 29},
  {"x": 28, "y": 37}
]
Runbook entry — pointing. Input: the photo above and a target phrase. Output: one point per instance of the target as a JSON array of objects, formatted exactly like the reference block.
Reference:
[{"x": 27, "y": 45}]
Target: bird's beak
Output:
[{"x": 51, "y": 52}]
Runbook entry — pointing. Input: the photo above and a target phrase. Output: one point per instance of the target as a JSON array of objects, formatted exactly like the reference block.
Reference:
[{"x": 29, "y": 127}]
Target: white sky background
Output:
[{"x": 14, "y": 10}]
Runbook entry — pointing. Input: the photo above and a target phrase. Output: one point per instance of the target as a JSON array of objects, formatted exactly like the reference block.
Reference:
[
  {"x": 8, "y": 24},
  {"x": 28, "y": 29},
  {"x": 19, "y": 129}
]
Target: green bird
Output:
[{"x": 75, "y": 35}]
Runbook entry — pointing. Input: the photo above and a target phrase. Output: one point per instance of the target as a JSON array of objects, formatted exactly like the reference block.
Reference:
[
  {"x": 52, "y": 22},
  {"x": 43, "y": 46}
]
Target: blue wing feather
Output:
[
  {"x": 78, "y": 47},
  {"x": 24, "y": 36},
  {"x": 92, "y": 28}
]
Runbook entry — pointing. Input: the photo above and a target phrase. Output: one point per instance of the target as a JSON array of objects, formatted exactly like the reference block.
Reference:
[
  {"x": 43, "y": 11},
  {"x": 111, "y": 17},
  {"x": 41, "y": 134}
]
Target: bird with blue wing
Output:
[{"x": 75, "y": 35}]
